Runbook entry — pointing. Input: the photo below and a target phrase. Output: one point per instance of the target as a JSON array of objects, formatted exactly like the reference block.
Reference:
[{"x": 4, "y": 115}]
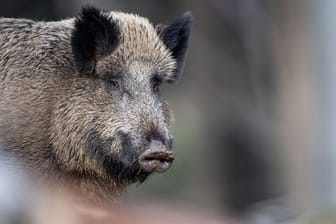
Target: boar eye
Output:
[
  {"x": 114, "y": 84},
  {"x": 156, "y": 82}
]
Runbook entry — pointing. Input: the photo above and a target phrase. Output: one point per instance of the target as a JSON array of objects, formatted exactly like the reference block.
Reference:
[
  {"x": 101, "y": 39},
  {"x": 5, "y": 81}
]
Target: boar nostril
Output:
[{"x": 156, "y": 161}]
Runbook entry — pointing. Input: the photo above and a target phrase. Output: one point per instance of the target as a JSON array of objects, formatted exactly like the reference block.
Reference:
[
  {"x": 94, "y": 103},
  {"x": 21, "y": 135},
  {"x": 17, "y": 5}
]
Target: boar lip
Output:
[
  {"x": 160, "y": 156},
  {"x": 158, "y": 161}
]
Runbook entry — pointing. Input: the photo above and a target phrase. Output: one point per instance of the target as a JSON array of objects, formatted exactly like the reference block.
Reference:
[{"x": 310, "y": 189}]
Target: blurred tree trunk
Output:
[
  {"x": 297, "y": 104},
  {"x": 238, "y": 91}
]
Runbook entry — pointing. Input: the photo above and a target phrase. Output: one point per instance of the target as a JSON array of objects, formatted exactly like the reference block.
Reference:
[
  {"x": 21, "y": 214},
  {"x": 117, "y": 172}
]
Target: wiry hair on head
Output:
[
  {"x": 128, "y": 37},
  {"x": 95, "y": 35},
  {"x": 176, "y": 37}
]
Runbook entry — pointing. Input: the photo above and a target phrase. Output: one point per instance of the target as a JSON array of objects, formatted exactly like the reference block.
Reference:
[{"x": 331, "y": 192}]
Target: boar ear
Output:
[
  {"x": 176, "y": 37},
  {"x": 95, "y": 35}
]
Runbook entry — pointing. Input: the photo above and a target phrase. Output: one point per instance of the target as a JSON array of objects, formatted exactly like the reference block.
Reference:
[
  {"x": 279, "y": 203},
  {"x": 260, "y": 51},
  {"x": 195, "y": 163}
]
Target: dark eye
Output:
[
  {"x": 156, "y": 82},
  {"x": 114, "y": 84}
]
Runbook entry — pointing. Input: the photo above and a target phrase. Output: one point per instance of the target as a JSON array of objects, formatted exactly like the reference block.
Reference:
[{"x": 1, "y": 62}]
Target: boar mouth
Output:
[{"x": 156, "y": 161}]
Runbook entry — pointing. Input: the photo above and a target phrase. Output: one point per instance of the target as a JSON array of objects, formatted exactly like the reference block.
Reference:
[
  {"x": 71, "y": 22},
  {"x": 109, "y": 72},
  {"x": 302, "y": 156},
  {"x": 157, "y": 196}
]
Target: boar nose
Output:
[{"x": 157, "y": 158}]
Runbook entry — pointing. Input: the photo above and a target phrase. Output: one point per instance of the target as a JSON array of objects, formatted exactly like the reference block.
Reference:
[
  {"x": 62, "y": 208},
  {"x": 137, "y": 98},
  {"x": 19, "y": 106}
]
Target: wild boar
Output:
[{"x": 80, "y": 98}]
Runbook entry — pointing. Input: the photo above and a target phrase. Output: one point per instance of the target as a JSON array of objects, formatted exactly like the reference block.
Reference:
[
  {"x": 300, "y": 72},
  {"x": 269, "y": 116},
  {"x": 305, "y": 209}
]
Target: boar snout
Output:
[{"x": 157, "y": 158}]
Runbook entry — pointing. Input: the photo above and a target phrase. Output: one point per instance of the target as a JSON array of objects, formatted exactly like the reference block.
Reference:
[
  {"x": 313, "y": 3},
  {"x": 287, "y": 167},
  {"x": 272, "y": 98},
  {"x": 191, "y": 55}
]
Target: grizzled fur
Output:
[{"x": 80, "y": 97}]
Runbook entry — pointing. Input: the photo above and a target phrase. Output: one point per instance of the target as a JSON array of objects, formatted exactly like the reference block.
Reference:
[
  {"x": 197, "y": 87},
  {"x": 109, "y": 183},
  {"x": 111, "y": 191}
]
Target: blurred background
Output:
[{"x": 255, "y": 129}]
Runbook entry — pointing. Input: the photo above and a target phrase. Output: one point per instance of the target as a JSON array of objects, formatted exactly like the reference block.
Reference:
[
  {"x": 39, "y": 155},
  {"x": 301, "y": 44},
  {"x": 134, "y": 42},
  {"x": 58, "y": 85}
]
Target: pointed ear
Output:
[
  {"x": 95, "y": 35},
  {"x": 176, "y": 37}
]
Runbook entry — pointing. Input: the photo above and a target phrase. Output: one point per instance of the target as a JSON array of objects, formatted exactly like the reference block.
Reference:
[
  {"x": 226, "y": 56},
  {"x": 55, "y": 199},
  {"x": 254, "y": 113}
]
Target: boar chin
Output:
[{"x": 122, "y": 164}]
